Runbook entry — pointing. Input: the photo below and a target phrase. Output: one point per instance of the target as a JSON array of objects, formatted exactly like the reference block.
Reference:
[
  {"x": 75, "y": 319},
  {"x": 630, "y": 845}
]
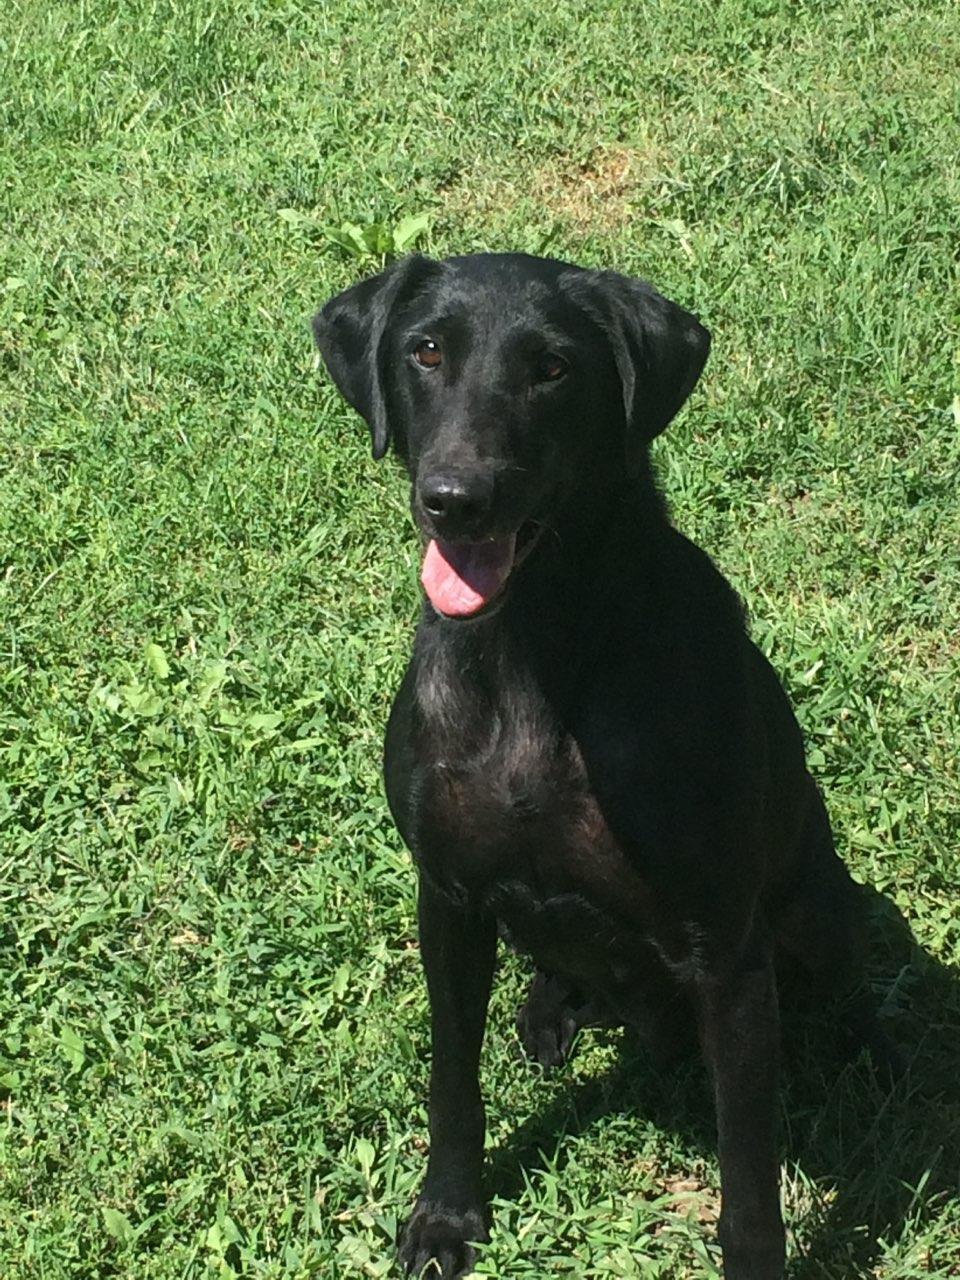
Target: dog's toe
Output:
[{"x": 436, "y": 1242}]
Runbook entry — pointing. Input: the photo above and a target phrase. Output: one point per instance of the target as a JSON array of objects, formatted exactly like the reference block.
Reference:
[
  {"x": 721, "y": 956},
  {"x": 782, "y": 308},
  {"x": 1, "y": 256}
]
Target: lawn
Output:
[{"x": 213, "y": 1029}]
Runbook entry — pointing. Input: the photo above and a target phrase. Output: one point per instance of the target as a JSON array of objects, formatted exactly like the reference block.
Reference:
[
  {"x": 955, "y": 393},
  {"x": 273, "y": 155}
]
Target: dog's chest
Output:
[
  {"x": 522, "y": 805},
  {"x": 507, "y": 814}
]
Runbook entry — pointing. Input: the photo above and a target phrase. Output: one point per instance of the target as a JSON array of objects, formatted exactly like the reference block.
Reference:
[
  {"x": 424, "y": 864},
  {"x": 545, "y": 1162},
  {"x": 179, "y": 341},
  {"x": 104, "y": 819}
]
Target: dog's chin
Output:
[{"x": 449, "y": 568}]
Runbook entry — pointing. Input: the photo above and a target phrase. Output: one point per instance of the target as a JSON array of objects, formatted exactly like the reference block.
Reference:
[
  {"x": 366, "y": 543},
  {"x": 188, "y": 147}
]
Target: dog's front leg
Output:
[
  {"x": 457, "y": 946},
  {"x": 740, "y": 1031}
]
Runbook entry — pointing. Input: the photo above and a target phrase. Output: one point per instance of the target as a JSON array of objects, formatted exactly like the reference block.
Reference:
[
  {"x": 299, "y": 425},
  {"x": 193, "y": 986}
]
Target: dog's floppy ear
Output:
[
  {"x": 659, "y": 349},
  {"x": 349, "y": 331}
]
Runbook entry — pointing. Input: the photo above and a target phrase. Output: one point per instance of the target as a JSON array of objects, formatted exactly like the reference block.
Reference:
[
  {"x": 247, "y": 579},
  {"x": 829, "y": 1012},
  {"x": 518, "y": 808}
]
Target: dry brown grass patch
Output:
[{"x": 598, "y": 192}]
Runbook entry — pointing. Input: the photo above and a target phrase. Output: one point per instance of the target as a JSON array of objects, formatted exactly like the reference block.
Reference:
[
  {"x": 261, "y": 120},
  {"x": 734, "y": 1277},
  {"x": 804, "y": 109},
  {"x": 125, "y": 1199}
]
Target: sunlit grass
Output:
[{"x": 213, "y": 1028}]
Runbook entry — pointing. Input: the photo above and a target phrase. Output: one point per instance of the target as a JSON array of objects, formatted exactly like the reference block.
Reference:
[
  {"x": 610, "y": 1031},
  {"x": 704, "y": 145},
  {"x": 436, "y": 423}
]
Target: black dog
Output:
[{"x": 587, "y": 751}]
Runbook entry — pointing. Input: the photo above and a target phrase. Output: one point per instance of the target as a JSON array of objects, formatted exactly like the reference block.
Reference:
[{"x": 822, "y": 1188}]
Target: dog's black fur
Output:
[{"x": 600, "y": 762}]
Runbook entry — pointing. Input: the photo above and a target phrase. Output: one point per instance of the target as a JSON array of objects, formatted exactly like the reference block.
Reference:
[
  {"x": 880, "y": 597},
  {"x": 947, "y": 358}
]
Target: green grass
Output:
[{"x": 213, "y": 1033}]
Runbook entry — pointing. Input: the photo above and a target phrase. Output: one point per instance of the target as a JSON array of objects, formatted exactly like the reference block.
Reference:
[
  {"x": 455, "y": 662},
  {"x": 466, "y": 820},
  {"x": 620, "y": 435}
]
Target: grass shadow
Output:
[
  {"x": 866, "y": 1162},
  {"x": 870, "y": 1161}
]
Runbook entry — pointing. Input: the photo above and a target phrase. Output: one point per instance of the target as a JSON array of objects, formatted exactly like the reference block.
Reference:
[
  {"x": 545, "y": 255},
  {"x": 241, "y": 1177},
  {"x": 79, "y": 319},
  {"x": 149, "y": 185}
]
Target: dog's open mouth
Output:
[{"x": 462, "y": 579}]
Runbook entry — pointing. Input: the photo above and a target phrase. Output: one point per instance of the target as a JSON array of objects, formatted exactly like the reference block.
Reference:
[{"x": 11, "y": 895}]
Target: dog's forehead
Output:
[{"x": 496, "y": 292}]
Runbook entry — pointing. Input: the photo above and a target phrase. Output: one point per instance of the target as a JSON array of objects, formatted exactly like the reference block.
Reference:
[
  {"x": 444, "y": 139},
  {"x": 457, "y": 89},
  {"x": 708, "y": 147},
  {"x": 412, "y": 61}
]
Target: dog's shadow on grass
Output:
[{"x": 866, "y": 1162}]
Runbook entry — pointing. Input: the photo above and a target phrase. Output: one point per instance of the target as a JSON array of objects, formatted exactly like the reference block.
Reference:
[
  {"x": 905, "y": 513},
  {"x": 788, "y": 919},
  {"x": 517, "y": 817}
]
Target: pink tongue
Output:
[{"x": 461, "y": 577}]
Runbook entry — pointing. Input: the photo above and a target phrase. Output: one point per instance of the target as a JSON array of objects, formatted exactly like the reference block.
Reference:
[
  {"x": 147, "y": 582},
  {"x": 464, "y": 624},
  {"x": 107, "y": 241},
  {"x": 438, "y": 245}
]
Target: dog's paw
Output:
[
  {"x": 547, "y": 1041},
  {"x": 548, "y": 1021},
  {"x": 436, "y": 1242}
]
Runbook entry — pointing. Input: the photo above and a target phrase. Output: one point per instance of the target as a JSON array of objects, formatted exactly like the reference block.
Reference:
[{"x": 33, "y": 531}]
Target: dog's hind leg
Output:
[
  {"x": 819, "y": 924},
  {"x": 822, "y": 927},
  {"x": 556, "y": 1009}
]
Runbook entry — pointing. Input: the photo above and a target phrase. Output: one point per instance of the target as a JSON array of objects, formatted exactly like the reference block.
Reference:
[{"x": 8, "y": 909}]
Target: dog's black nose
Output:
[{"x": 456, "y": 503}]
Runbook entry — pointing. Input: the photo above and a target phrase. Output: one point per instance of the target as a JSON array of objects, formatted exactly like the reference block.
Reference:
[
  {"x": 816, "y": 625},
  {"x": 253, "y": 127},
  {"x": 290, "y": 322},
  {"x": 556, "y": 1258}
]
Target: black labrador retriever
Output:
[{"x": 587, "y": 751}]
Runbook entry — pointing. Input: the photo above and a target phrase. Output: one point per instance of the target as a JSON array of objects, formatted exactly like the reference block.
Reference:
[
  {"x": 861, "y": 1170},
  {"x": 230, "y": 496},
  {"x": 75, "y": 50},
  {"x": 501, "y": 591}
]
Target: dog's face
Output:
[{"x": 507, "y": 384}]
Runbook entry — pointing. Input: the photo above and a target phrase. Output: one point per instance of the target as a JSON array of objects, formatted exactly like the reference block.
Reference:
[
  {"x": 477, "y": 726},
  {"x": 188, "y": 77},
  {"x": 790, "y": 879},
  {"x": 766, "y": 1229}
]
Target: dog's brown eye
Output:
[
  {"x": 551, "y": 367},
  {"x": 427, "y": 354}
]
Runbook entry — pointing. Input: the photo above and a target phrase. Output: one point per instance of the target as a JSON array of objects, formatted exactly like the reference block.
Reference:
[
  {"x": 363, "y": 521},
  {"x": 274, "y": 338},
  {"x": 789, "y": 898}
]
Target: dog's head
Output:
[{"x": 510, "y": 386}]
